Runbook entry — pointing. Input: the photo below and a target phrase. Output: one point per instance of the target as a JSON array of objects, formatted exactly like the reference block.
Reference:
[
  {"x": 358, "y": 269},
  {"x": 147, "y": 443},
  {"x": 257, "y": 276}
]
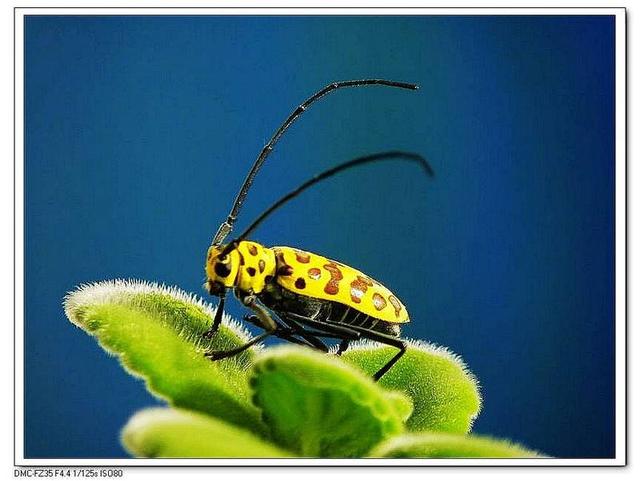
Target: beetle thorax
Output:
[{"x": 249, "y": 267}]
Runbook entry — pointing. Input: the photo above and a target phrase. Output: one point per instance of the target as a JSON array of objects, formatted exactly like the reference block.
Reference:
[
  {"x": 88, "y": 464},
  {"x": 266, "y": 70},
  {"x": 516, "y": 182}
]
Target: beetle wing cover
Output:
[{"x": 316, "y": 276}]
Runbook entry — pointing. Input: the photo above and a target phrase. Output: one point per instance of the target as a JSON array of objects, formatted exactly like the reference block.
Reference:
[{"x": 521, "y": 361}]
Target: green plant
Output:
[{"x": 286, "y": 401}]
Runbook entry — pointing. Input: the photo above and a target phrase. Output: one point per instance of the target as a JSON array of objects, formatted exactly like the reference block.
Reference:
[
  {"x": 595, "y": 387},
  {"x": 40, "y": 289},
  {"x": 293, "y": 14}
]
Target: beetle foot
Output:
[
  {"x": 342, "y": 347},
  {"x": 215, "y": 355},
  {"x": 209, "y": 334}
]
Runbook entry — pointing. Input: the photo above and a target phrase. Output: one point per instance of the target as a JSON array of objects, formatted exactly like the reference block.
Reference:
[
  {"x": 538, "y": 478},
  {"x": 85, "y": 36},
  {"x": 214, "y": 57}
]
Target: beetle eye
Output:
[{"x": 222, "y": 270}]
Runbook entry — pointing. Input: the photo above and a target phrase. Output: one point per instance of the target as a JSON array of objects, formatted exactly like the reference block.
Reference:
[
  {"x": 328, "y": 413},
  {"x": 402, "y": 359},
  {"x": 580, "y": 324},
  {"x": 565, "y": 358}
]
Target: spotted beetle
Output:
[{"x": 299, "y": 296}]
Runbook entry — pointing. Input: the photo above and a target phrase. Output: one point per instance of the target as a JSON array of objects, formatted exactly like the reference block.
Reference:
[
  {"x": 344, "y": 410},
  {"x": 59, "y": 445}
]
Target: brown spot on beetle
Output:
[
  {"x": 261, "y": 265},
  {"x": 359, "y": 287},
  {"x": 284, "y": 269},
  {"x": 356, "y": 294},
  {"x": 379, "y": 302},
  {"x": 251, "y": 271},
  {"x": 396, "y": 304},
  {"x": 302, "y": 257},
  {"x": 314, "y": 273},
  {"x": 333, "y": 286},
  {"x": 300, "y": 283},
  {"x": 253, "y": 250}
]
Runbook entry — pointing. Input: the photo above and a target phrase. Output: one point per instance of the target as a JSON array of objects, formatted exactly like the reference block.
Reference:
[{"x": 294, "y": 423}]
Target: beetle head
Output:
[{"x": 222, "y": 271}]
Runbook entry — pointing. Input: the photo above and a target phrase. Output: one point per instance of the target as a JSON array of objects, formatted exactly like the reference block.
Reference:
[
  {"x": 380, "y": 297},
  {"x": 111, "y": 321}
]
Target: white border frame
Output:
[{"x": 620, "y": 238}]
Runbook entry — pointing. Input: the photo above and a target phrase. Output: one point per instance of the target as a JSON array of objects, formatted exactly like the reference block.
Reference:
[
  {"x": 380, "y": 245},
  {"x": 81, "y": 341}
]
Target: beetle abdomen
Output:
[
  {"x": 284, "y": 302},
  {"x": 349, "y": 316},
  {"x": 318, "y": 277}
]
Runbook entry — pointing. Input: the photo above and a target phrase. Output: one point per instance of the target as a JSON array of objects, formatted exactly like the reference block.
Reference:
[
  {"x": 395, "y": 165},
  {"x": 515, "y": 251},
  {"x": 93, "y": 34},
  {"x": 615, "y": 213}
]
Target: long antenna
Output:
[
  {"x": 324, "y": 175},
  {"x": 227, "y": 226}
]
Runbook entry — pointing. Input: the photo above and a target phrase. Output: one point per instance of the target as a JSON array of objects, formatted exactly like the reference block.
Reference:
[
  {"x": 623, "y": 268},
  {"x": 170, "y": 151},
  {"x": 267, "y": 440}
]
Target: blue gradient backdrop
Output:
[{"x": 139, "y": 131}]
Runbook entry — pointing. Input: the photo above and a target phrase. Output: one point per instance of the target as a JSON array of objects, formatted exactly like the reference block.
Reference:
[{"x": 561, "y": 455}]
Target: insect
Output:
[{"x": 299, "y": 296}]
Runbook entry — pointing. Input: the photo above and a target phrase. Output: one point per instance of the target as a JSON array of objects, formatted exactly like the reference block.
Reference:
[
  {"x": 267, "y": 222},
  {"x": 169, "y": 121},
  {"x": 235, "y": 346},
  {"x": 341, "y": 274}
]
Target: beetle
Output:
[{"x": 300, "y": 296}]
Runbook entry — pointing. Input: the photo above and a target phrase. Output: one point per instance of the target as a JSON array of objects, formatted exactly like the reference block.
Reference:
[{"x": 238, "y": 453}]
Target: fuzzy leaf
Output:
[
  {"x": 445, "y": 394},
  {"x": 156, "y": 332},
  {"x": 177, "y": 433},
  {"x": 318, "y": 406},
  {"x": 444, "y": 445}
]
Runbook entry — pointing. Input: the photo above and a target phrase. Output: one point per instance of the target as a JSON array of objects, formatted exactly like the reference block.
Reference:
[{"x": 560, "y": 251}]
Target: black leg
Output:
[
  {"x": 354, "y": 333},
  {"x": 255, "y": 320},
  {"x": 217, "y": 355},
  {"x": 263, "y": 320},
  {"x": 290, "y": 337},
  {"x": 262, "y": 314},
  {"x": 287, "y": 332},
  {"x": 337, "y": 331},
  {"x": 344, "y": 344},
  {"x": 217, "y": 319},
  {"x": 309, "y": 336},
  {"x": 384, "y": 339}
]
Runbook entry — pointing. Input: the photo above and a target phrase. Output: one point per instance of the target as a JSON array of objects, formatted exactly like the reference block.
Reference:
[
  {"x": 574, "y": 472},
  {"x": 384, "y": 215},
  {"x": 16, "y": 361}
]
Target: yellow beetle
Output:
[{"x": 296, "y": 295}]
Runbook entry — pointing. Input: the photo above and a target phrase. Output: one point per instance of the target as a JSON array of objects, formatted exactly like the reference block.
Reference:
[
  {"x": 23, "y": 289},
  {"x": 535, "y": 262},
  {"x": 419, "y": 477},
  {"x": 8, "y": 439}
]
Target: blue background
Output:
[{"x": 139, "y": 131}]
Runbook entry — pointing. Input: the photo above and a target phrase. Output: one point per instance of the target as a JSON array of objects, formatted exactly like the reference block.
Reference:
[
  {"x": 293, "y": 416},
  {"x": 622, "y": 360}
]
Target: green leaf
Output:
[
  {"x": 444, "y": 445},
  {"x": 318, "y": 406},
  {"x": 445, "y": 394},
  {"x": 173, "y": 433},
  {"x": 156, "y": 332}
]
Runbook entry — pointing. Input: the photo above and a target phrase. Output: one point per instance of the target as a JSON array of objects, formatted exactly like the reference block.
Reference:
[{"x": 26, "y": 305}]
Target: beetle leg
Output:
[
  {"x": 261, "y": 313},
  {"x": 354, "y": 333},
  {"x": 288, "y": 332},
  {"x": 217, "y": 355},
  {"x": 331, "y": 330},
  {"x": 389, "y": 341},
  {"x": 217, "y": 319},
  {"x": 256, "y": 321},
  {"x": 344, "y": 344},
  {"x": 305, "y": 341},
  {"x": 310, "y": 336},
  {"x": 265, "y": 321}
]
